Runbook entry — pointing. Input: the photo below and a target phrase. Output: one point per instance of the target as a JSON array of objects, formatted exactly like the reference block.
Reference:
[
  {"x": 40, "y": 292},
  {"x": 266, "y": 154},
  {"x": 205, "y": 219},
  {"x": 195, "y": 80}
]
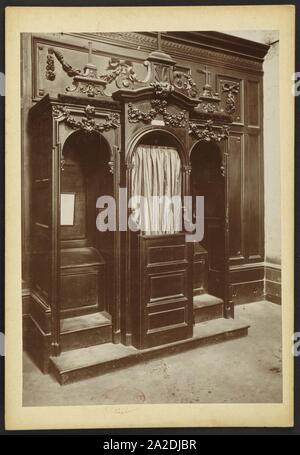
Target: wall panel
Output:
[{"x": 236, "y": 196}]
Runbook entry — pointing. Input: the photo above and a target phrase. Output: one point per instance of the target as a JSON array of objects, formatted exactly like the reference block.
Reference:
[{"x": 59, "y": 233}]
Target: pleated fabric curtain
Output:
[{"x": 156, "y": 189}]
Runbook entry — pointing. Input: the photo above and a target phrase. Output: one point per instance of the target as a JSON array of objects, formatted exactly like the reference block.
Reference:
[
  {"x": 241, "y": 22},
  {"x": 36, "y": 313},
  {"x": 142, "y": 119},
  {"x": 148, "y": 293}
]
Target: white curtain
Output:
[{"x": 156, "y": 189}]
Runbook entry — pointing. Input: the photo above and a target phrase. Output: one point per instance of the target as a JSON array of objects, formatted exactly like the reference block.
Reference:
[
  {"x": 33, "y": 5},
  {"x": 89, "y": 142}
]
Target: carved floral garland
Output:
[
  {"x": 159, "y": 107},
  {"x": 206, "y": 132},
  {"x": 87, "y": 123}
]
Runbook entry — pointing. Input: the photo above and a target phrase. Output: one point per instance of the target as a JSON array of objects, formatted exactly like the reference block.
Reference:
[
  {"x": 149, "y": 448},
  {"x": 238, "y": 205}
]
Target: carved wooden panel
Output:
[
  {"x": 236, "y": 196},
  {"x": 167, "y": 253},
  {"x": 253, "y": 198},
  {"x": 165, "y": 286},
  {"x": 231, "y": 91},
  {"x": 253, "y": 104},
  {"x": 82, "y": 280},
  {"x": 49, "y": 77}
]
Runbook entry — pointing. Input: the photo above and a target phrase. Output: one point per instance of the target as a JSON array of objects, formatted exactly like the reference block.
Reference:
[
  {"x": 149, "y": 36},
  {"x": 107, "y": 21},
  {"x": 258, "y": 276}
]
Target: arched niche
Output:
[
  {"x": 207, "y": 180},
  {"x": 85, "y": 173},
  {"x": 85, "y": 176}
]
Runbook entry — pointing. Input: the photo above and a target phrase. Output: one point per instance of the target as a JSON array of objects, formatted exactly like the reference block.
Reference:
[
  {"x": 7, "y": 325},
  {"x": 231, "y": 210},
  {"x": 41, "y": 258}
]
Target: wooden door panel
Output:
[{"x": 165, "y": 297}]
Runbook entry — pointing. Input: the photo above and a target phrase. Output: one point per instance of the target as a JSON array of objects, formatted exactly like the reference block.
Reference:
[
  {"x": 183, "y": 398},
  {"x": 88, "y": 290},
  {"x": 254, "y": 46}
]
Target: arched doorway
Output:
[
  {"x": 86, "y": 253},
  {"x": 207, "y": 180}
]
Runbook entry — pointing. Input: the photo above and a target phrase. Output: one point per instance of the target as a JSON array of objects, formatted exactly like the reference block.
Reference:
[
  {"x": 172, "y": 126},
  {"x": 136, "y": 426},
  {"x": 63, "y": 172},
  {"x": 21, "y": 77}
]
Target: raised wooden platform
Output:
[
  {"x": 207, "y": 307},
  {"x": 92, "y": 361},
  {"x": 86, "y": 330}
]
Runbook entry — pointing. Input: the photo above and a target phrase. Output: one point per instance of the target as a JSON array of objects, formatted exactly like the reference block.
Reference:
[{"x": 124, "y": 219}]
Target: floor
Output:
[{"x": 246, "y": 370}]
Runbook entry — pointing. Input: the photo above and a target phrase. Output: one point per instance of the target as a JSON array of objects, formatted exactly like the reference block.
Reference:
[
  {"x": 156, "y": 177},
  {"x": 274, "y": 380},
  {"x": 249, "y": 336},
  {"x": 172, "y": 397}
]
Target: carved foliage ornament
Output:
[
  {"x": 232, "y": 91},
  {"x": 87, "y": 123},
  {"x": 158, "y": 107},
  {"x": 207, "y": 132},
  {"x": 88, "y": 82},
  {"x": 184, "y": 81}
]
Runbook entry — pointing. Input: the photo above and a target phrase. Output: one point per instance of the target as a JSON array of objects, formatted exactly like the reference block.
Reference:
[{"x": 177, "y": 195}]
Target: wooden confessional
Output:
[{"x": 131, "y": 292}]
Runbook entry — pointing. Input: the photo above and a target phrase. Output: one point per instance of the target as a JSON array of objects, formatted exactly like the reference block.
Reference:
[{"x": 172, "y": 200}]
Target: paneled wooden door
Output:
[{"x": 163, "y": 309}]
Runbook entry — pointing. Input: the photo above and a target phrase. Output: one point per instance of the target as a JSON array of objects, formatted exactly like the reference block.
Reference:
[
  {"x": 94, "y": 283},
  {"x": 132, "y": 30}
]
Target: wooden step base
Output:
[
  {"x": 207, "y": 307},
  {"x": 87, "y": 330},
  {"x": 96, "y": 360}
]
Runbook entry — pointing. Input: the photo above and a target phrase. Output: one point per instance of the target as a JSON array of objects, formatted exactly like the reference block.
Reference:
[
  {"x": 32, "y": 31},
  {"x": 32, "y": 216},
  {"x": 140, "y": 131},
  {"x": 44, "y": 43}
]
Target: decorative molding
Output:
[
  {"x": 122, "y": 72},
  {"x": 206, "y": 132},
  {"x": 162, "y": 89},
  {"x": 87, "y": 81},
  {"x": 50, "y": 68},
  {"x": 175, "y": 48},
  {"x": 232, "y": 91},
  {"x": 161, "y": 76},
  {"x": 71, "y": 72},
  {"x": 159, "y": 107},
  {"x": 87, "y": 123},
  {"x": 111, "y": 164},
  {"x": 209, "y": 104}
]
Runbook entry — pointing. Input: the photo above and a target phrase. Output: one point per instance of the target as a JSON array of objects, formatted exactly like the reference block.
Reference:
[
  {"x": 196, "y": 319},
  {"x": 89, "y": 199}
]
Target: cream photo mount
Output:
[{"x": 36, "y": 20}]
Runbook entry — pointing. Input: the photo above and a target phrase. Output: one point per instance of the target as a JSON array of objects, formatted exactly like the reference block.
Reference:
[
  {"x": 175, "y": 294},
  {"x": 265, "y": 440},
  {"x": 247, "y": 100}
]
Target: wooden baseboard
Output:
[
  {"x": 273, "y": 283},
  {"x": 36, "y": 343},
  {"x": 247, "y": 283},
  {"x": 254, "y": 282}
]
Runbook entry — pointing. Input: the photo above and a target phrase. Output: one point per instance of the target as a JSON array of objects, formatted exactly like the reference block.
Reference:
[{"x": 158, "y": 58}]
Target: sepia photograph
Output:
[{"x": 151, "y": 217}]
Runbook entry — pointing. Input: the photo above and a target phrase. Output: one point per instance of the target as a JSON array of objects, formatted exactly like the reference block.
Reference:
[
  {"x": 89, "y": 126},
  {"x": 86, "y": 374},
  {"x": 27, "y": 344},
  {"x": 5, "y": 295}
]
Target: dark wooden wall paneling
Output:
[{"x": 245, "y": 142}]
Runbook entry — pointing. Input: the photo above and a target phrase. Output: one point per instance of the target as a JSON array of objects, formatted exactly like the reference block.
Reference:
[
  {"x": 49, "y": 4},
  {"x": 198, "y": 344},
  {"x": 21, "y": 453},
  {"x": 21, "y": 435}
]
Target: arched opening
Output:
[
  {"x": 86, "y": 253},
  {"x": 207, "y": 180}
]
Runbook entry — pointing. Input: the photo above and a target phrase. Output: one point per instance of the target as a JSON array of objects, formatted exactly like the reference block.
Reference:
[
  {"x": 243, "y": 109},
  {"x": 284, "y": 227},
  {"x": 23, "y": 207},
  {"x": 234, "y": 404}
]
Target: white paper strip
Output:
[{"x": 67, "y": 204}]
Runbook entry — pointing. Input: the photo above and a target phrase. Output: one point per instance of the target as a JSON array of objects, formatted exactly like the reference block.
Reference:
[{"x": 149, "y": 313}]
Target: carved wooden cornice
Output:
[
  {"x": 177, "y": 48},
  {"x": 87, "y": 123},
  {"x": 208, "y": 132}
]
